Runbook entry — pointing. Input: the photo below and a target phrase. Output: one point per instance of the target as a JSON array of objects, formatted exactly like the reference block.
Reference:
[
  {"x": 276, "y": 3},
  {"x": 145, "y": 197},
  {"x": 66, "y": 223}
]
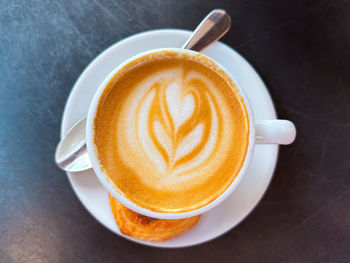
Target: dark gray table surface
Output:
[{"x": 300, "y": 48}]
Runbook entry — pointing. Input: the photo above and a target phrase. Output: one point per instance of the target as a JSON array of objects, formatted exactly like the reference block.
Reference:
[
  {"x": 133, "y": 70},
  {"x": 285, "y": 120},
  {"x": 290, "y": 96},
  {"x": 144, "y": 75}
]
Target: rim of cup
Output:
[{"x": 108, "y": 184}]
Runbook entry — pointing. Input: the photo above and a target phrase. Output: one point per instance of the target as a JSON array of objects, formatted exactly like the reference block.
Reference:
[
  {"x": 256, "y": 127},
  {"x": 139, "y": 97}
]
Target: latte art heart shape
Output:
[
  {"x": 171, "y": 131},
  {"x": 180, "y": 109}
]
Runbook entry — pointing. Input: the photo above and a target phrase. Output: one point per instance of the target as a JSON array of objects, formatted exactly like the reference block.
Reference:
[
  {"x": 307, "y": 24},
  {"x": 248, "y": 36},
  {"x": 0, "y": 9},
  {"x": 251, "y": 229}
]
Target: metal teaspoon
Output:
[{"x": 71, "y": 153}]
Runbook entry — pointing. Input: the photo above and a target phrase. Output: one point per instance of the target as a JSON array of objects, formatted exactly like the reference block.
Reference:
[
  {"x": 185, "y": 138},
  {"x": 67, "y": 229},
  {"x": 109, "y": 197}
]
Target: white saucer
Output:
[{"x": 252, "y": 187}]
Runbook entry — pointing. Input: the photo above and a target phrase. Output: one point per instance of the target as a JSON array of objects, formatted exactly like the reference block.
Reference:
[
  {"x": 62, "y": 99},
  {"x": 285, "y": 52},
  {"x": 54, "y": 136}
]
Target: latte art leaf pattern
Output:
[{"x": 175, "y": 117}]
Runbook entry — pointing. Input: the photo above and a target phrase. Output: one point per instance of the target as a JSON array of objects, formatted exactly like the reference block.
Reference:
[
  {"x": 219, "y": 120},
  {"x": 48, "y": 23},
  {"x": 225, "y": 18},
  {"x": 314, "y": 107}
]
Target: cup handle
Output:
[{"x": 274, "y": 132}]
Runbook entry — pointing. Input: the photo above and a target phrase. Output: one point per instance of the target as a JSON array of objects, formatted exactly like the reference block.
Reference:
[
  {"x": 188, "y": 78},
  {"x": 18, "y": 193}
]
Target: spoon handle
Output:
[{"x": 212, "y": 28}]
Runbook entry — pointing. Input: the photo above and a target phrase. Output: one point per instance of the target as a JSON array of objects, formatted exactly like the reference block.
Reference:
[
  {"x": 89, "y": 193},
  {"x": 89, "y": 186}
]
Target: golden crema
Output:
[{"x": 171, "y": 131}]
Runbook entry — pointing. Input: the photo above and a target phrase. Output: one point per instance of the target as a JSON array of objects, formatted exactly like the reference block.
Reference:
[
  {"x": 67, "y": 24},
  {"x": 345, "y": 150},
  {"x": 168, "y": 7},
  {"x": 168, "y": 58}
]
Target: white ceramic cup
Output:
[{"x": 261, "y": 132}]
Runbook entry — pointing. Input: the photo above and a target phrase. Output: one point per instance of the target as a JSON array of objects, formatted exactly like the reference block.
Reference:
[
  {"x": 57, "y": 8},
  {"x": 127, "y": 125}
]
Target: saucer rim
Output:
[{"x": 74, "y": 90}]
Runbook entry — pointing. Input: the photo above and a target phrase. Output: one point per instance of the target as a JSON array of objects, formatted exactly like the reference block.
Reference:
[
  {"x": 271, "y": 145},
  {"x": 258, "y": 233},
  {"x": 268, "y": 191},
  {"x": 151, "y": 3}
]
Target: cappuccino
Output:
[{"x": 171, "y": 131}]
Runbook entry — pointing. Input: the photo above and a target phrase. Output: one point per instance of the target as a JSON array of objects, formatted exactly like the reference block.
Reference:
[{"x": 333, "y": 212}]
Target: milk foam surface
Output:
[{"x": 171, "y": 133}]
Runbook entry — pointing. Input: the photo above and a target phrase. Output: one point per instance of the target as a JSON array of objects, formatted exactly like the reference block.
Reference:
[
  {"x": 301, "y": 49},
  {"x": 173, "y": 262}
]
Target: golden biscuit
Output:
[{"x": 139, "y": 226}]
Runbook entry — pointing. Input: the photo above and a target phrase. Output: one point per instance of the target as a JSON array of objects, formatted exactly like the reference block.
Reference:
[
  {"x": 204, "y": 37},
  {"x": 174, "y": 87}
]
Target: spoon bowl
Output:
[{"x": 71, "y": 153}]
